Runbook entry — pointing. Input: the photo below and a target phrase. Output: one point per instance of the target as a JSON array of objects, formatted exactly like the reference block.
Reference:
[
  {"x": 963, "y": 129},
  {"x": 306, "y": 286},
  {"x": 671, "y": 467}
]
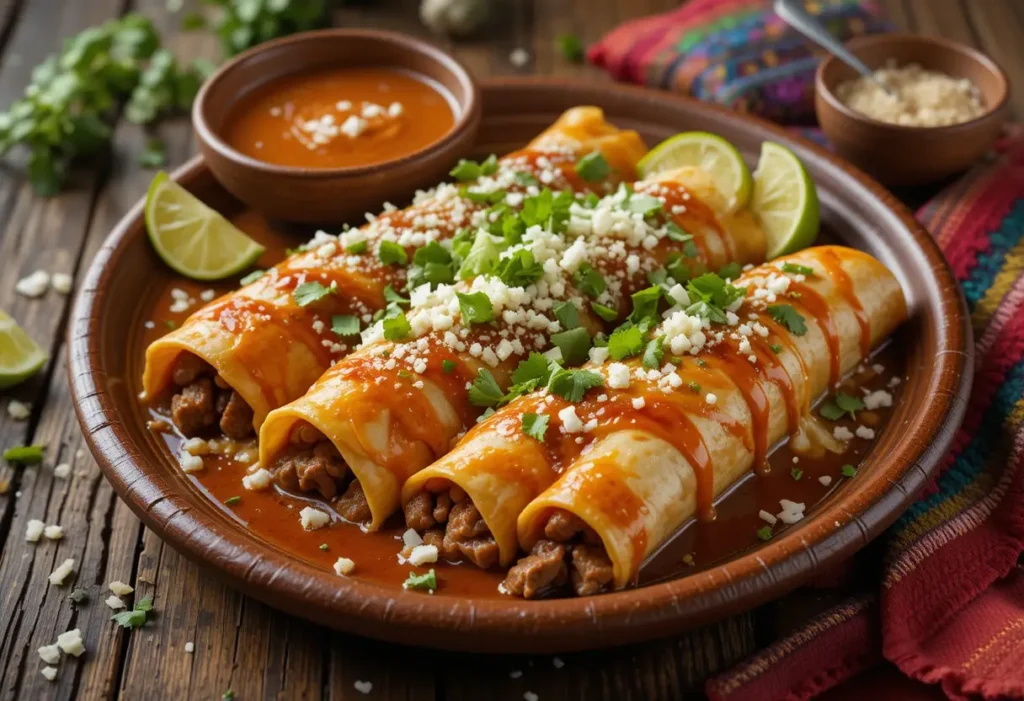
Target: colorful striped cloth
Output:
[
  {"x": 949, "y": 604},
  {"x": 734, "y": 52}
]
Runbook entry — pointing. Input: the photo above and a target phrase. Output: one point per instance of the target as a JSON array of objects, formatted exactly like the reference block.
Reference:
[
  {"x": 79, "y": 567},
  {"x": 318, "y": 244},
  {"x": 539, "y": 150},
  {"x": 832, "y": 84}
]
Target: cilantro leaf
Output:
[
  {"x": 396, "y": 327},
  {"x": 481, "y": 257},
  {"x": 485, "y": 390},
  {"x": 677, "y": 233},
  {"x": 730, "y": 271},
  {"x": 797, "y": 269},
  {"x": 431, "y": 263},
  {"x": 571, "y": 47},
  {"x": 710, "y": 296},
  {"x": 589, "y": 281},
  {"x": 526, "y": 179},
  {"x": 309, "y": 292},
  {"x": 571, "y": 385},
  {"x": 764, "y": 533},
  {"x": 535, "y": 367},
  {"x": 535, "y": 425},
  {"x": 796, "y": 473},
  {"x": 345, "y": 324},
  {"x": 465, "y": 171},
  {"x": 848, "y": 470},
  {"x": 421, "y": 582},
  {"x": 25, "y": 454},
  {"x": 568, "y": 315},
  {"x": 643, "y": 204},
  {"x": 840, "y": 405},
  {"x": 392, "y": 297},
  {"x": 519, "y": 270},
  {"x": 574, "y": 344},
  {"x": 606, "y": 313},
  {"x": 789, "y": 317},
  {"x": 593, "y": 167},
  {"x": 476, "y": 308},
  {"x": 390, "y": 253},
  {"x": 625, "y": 341},
  {"x": 448, "y": 366},
  {"x": 653, "y": 353},
  {"x": 252, "y": 277},
  {"x": 645, "y": 305},
  {"x": 135, "y": 617}
]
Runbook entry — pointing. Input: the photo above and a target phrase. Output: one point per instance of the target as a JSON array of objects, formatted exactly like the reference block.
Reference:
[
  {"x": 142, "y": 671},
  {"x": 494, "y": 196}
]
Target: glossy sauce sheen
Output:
[
  {"x": 268, "y": 124},
  {"x": 723, "y": 530}
]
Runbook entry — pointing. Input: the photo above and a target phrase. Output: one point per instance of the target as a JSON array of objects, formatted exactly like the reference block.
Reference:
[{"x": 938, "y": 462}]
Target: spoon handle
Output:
[{"x": 793, "y": 14}]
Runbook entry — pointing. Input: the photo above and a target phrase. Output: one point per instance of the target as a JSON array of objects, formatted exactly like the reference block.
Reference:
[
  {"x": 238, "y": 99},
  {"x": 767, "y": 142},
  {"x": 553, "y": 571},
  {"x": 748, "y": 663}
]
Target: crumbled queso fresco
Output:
[{"x": 923, "y": 98}]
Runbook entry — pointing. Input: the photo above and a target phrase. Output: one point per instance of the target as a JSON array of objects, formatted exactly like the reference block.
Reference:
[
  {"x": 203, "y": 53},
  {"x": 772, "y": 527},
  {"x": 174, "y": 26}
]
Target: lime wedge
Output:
[
  {"x": 785, "y": 201},
  {"x": 192, "y": 238},
  {"x": 20, "y": 356},
  {"x": 706, "y": 151}
]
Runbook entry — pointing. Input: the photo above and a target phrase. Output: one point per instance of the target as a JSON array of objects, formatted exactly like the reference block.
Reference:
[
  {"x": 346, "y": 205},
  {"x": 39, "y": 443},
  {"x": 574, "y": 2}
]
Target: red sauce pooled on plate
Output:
[{"x": 340, "y": 118}]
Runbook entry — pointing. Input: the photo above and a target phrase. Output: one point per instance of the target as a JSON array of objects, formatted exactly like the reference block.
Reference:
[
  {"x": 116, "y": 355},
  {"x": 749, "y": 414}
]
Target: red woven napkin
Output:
[{"x": 949, "y": 607}]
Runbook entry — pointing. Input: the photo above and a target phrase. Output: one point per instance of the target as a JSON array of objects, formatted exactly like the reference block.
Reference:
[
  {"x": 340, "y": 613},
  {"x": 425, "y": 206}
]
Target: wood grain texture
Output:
[{"x": 241, "y": 644}]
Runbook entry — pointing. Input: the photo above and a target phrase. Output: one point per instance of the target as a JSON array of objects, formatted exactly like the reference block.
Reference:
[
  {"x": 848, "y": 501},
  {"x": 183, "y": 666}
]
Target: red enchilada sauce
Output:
[
  {"x": 725, "y": 527},
  {"x": 340, "y": 118}
]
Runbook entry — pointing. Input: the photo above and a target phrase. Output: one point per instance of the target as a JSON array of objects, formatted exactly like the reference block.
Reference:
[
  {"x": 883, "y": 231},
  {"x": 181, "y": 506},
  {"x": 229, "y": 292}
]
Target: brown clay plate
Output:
[{"x": 855, "y": 210}]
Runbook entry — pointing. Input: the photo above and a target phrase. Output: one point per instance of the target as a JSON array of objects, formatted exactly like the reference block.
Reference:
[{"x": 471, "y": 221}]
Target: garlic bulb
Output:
[{"x": 453, "y": 17}]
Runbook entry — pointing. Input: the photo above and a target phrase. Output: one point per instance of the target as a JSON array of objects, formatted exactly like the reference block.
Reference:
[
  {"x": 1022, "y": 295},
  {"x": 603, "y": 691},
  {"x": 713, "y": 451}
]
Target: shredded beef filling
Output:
[
  {"x": 311, "y": 463},
  {"x": 353, "y": 505},
  {"x": 462, "y": 535},
  {"x": 570, "y": 550},
  {"x": 204, "y": 401}
]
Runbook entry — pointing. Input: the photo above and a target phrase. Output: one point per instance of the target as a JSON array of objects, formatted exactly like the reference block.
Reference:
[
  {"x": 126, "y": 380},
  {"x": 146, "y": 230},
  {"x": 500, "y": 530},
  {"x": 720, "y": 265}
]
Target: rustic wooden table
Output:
[{"x": 241, "y": 644}]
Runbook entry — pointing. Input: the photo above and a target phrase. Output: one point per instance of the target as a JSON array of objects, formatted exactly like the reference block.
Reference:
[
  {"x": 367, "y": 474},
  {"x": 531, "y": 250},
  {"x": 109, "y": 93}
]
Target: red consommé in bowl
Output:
[{"x": 340, "y": 117}]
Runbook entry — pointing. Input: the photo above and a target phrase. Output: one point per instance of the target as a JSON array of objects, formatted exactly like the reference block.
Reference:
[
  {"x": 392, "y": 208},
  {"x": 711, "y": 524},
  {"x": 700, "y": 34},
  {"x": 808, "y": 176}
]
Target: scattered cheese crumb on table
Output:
[
  {"x": 49, "y": 672},
  {"x": 54, "y": 532},
  {"x": 19, "y": 411},
  {"x": 71, "y": 642},
  {"x": 50, "y": 654},
  {"x": 115, "y": 602},
  {"x": 59, "y": 575},
  {"x": 120, "y": 588},
  {"x": 34, "y": 530},
  {"x": 344, "y": 566}
]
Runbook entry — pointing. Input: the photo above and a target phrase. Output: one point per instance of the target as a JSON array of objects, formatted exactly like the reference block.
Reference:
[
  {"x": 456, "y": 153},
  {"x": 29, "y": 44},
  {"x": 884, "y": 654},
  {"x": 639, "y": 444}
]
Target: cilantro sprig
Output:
[
  {"x": 840, "y": 405},
  {"x": 789, "y": 317}
]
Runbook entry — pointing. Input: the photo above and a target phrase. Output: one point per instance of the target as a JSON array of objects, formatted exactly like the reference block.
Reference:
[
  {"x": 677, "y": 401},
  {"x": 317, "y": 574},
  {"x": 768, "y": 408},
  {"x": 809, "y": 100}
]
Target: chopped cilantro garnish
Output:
[
  {"x": 392, "y": 297},
  {"x": 78, "y": 596},
  {"x": 764, "y": 533},
  {"x": 228, "y": 695},
  {"x": 840, "y": 405},
  {"x": 548, "y": 210},
  {"x": 625, "y": 341},
  {"x": 485, "y": 390},
  {"x": 396, "y": 327},
  {"x": 481, "y": 257},
  {"x": 848, "y": 470},
  {"x": 589, "y": 281},
  {"x": 422, "y": 582},
  {"x": 465, "y": 171},
  {"x": 525, "y": 178},
  {"x": 357, "y": 247},
  {"x": 535, "y": 368},
  {"x": 252, "y": 277},
  {"x": 645, "y": 305},
  {"x": 701, "y": 363},
  {"x": 693, "y": 386},
  {"x": 677, "y": 269},
  {"x": 535, "y": 425},
  {"x": 519, "y": 270},
  {"x": 677, "y": 233},
  {"x": 567, "y": 314},
  {"x": 571, "y": 385},
  {"x": 789, "y": 317},
  {"x": 574, "y": 344},
  {"x": 711, "y": 296},
  {"x": 654, "y": 352},
  {"x": 590, "y": 200},
  {"x": 309, "y": 292},
  {"x": 390, "y": 253},
  {"x": 571, "y": 47},
  {"x": 593, "y": 167},
  {"x": 231, "y": 501},
  {"x": 798, "y": 269},
  {"x": 431, "y": 263},
  {"x": 606, "y": 313},
  {"x": 730, "y": 271},
  {"x": 135, "y": 617},
  {"x": 448, "y": 366},
  {"x": 643, "y": 204},
  {"x": 488, "y": 197},
  {"x": 25, "y": 454},
  {"x": 796, "y": 473},
  {"x": 776, "y": 348},
  {"x": 345, "y": 324},
  {"x": 476, "y": 308}
]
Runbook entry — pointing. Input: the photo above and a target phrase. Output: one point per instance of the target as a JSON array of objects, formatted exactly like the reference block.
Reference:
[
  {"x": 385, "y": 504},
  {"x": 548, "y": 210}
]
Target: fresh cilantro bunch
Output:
[
  {"x": 243, "y": 24},
  {"x": 165, "y": 86}
]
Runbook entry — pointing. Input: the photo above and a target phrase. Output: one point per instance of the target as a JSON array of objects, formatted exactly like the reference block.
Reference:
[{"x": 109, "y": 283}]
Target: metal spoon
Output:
[{"x": 793, "y": 13}]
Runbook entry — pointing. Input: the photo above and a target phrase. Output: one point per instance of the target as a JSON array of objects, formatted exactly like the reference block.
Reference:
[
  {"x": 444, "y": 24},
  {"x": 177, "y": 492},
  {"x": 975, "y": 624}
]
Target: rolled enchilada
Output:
[
  {"x": 396, "y": 405},
  {"x": 614, "y": 475},
  {"x": 251, "y": 351}
]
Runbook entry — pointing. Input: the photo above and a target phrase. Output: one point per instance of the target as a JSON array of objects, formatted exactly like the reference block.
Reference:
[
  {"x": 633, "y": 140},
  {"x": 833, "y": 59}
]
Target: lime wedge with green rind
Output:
[
  {"x": 20, "y": 356},
  {"x": 192, "y": 238},
  {"x": 709, "y": 152},
  {"x": 784, "y": 201}
]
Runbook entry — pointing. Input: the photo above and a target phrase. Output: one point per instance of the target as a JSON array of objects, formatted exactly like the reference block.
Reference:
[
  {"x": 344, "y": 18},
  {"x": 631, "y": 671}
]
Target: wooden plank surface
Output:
[{"x": 241, "y": 644}]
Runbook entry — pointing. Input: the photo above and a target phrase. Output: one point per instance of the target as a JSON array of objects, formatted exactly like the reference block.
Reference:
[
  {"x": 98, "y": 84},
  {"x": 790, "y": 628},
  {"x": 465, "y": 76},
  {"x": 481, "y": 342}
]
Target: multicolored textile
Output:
[
  {"x": 949, "y": 607},
  {"x": 735, "y": 52}
]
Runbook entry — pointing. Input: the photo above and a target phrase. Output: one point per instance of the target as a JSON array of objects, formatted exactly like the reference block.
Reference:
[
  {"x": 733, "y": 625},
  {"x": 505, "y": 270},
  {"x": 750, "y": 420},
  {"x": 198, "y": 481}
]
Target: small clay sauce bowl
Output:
[
  {"x": 906, "y": 155},
  {"x": 331, "y": 195}
]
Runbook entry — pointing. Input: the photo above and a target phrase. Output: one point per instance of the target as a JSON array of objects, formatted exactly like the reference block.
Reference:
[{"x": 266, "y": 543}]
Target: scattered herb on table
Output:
[
  {"x": 421, "y": 582},
  {"x": 241, "y": 24},
  {"x": 25, "y": 454},
  {"x": 571, "y": 47},
  {"x": 137, "y": 616},
  {"x": 153, "y": 155}
]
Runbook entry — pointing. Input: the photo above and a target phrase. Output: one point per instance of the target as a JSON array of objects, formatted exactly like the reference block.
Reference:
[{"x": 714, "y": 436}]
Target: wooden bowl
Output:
[
  {"x": 120, "y": 290},
  {"x": 331, "y": 195},
  {"x": 905, "y": 155}
]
